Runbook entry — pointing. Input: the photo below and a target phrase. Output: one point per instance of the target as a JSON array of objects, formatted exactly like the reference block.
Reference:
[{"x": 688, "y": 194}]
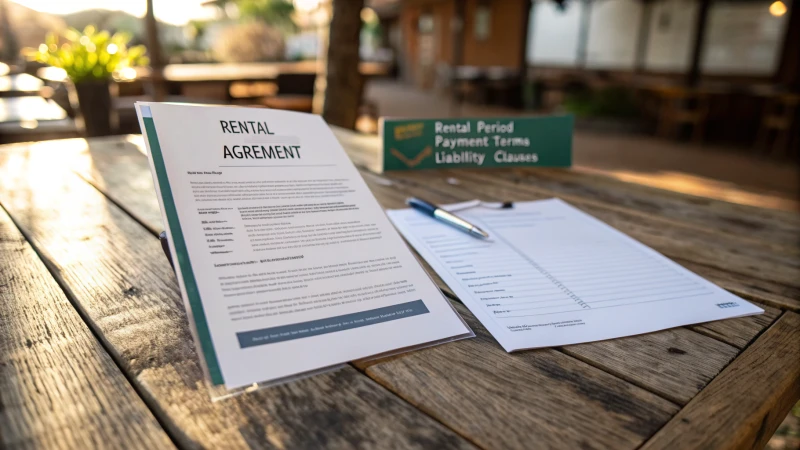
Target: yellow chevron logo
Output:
[{"x": 413, "y": 162}]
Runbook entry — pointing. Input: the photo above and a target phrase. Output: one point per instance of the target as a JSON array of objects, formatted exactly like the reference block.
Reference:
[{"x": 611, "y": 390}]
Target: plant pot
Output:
[{"x": 94, "y": 100}]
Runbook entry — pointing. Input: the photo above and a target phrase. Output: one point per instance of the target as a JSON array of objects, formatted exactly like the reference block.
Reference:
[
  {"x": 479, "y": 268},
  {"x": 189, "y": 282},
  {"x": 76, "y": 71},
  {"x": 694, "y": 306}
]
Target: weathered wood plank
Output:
[
  {"x": 786, "y": 234},
  {"x": 59, "y": 388},
  {"x": 741, "y": 331},
  {"x": 743, "y": 406},
  {"x": 676, "y": 364},
  {"x": 112, "y": 156},
  {"x": 762, "y": 291},
  {"x": 534, "y": 399},
  {"x": 116, "y": 270},
  {"x": 753, "y": 224}
]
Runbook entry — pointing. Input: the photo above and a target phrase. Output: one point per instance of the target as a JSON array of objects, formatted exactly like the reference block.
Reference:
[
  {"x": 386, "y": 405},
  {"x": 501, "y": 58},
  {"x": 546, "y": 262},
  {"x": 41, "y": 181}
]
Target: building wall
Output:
[
  {"x": 444, "y": 13},
  {"x": 425, "y": 53},
  {"x": 504, "y": 44},
  {"x": 409, "y": 17}
]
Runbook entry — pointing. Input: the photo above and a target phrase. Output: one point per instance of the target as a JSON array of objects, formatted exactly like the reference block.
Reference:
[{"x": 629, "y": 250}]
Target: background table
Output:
[
  {"x": 19, "y": 85},
  {"x": 95, "y": 347}
]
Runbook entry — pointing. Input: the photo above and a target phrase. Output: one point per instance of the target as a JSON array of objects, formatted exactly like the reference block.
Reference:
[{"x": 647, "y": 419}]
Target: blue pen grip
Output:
[{"x": 421, "y": 205}]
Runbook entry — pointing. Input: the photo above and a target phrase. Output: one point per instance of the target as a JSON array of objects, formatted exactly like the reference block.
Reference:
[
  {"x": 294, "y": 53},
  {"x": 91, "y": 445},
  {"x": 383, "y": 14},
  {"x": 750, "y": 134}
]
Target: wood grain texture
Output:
[
  {"x": 767, "y": 226},
  {"x": 117, "y": 272},
  {"x": 533, "y": 399},
  {"x": 743, "y": 406},
  {"x": 768, "y": 292},
  {"x": 675, "y": 364},
  {"x": 59, "y": 388},
  {"x": 739, "y": 332}
]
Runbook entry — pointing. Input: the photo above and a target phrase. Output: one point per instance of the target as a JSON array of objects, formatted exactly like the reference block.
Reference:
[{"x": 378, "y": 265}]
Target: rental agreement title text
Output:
[{"x": 255, "y": 151}]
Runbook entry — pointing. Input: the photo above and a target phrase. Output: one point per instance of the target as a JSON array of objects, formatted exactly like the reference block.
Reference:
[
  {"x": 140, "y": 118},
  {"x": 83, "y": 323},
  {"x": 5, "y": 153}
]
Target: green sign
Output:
[{"x": 490, "y": 142}]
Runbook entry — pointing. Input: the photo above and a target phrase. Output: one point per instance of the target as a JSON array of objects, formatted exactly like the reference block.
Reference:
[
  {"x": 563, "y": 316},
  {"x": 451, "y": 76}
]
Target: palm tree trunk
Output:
[
  {"x": 344, "y": 84},
  {"x": 159, "y": 89},
  {"x": 10, "y": 50}
]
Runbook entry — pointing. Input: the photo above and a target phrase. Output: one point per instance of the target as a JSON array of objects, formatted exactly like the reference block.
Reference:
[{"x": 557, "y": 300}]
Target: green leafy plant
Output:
[
  {"x": 90, "y": 55},
  {"x": 609, "y": 102},
  {"x": 272, "y": 12}
]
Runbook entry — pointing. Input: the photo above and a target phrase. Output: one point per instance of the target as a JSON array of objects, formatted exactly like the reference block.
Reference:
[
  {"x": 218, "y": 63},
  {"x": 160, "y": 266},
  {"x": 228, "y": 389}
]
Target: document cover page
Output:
[{"x": 286, "y": 261}]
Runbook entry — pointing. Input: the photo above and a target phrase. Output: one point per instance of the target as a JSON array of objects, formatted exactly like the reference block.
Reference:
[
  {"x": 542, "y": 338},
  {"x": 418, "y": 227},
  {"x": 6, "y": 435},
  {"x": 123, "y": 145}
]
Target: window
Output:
[{"x": 483, "y": 22}]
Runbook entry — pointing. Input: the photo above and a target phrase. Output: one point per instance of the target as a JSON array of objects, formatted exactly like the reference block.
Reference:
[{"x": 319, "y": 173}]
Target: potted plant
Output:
[{"x": 91, "y": 59}]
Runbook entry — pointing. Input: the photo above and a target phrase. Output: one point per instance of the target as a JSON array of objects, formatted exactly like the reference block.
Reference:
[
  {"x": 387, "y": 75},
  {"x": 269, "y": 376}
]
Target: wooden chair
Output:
[
  {"x": 295, "y": 92},
  {"x": 468, "y": 84},
  {"x": 779, "y": 120},
  {"x": 502, "y": 86},
  {"x": 678, "y": 106}
]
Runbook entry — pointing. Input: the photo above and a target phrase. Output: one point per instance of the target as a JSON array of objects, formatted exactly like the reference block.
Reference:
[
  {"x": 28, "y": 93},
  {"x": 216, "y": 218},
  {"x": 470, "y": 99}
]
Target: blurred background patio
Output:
[{"x": 696, "y": 96}]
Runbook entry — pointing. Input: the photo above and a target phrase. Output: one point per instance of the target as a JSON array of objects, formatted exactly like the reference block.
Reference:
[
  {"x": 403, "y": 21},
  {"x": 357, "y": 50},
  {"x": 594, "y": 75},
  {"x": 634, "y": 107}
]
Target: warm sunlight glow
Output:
[
  {"x": 126, "y": 74},
  {"x": 112, "y": 49},
  {"x": 777, "y": 8},
  {"x": 176, "y": 12},
  {"x": 138, "y": 141},
  {"x": 369, "y": 15},
  {"x": 29, "y": 124},
  {"x": 306, "y": 5},
  {"x": 697, "y": 186}
]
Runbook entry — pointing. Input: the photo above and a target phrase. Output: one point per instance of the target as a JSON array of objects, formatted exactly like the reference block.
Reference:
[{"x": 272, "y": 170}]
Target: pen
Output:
[{"x": 437, "y": 213}]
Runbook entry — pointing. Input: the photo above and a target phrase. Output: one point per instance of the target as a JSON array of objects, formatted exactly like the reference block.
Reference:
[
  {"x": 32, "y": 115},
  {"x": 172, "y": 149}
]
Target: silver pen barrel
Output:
[{"x": 453, "y": 220}]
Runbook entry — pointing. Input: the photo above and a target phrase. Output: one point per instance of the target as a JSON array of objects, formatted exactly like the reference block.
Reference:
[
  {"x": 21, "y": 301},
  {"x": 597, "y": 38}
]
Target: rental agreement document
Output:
[
  {"x": 286, "y": 261},
  {"x": 552, "y": 275}
]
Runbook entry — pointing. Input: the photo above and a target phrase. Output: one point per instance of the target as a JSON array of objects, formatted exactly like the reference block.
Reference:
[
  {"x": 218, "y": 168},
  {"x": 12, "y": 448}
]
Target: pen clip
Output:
[{"x": 478, "y": 203}]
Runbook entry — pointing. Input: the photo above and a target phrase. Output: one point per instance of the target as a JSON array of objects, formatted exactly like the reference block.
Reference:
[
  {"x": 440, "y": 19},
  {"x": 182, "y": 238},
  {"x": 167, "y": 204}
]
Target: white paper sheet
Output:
[
  {"x": 552, "y": 275},
  {"x": 286, "y": 261}
]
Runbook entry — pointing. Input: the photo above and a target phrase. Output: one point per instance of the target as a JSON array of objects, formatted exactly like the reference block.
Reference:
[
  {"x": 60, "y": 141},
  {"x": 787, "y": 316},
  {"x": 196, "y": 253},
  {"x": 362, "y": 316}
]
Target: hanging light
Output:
[{"x": 777, "y": 8}]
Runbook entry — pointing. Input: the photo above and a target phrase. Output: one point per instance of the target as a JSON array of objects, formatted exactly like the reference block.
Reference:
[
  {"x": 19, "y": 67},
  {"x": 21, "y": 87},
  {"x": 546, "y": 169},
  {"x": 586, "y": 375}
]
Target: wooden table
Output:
[
  {"x": 19, "y": 85},
  {"x": 95, "y": 348}
]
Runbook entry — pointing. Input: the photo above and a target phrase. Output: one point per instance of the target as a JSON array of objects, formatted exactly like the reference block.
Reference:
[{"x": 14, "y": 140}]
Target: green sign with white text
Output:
[{"x": 544, "y": 141}]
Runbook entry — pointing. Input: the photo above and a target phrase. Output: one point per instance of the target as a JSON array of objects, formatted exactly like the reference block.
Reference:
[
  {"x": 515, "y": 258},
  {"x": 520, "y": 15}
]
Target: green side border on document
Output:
[{"x": 179, "y": 244}]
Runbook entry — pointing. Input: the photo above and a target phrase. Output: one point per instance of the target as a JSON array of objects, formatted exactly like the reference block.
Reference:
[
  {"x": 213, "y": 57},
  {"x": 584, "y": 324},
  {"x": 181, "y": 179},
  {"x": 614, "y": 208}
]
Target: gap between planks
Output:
[
  {"x": 711, "y": 388},
  {"x": 119, "y": 204},
  {"x": 752, "y": 341}
]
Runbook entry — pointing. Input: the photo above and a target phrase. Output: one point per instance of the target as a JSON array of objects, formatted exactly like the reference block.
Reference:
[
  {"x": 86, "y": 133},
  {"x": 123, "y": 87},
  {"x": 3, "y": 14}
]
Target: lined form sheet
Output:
[{"x": 552, "y": 275}]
